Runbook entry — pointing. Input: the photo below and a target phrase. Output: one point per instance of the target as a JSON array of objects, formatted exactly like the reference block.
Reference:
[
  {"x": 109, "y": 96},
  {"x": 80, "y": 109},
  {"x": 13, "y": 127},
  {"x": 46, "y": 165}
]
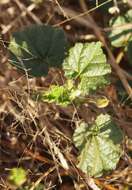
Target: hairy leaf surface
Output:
[
  {"x": 90, "y": 84},
  {"x": 99, "y": 145},
  {"x": 87, "y": 63}
]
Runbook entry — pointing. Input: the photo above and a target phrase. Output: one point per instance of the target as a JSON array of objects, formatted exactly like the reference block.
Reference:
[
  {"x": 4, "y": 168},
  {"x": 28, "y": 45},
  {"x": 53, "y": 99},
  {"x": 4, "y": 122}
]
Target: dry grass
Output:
[{"x": 37, "y": 135}]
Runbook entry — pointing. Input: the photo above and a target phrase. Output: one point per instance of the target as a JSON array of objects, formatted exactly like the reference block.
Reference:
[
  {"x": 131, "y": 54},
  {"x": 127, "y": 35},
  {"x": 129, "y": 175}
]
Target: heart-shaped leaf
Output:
[
  {"x": 88, "y": 63},
  {"x": 37, "y": 48},
  {"x": 99, "y": 145}
]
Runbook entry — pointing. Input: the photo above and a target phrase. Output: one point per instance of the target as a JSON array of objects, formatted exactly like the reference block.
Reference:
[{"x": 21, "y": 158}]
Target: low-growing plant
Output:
[
  {"x": 121, "y": 38},
  {"x": 86, "y": 71},
  {"x": 17, "y": 176}
]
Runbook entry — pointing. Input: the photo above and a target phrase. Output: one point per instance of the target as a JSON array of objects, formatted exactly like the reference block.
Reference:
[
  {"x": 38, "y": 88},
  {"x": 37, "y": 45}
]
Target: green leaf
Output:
[
  {"x": 120, "y": 37},
  {"x": 37, "y": 48},
  {"x": 90, "y": 84},
  {"x": 17, "y": 176},
  {"x": 99, "y": 145},
  {"x": 61, "y": 95},
  {"x": 128, "y": 15},
  {"x": 88, "y": 63},
  {"x": 102, "y": 102},
  {"x": 85, "y": 59},
  {"x": 58, "y": 94}
]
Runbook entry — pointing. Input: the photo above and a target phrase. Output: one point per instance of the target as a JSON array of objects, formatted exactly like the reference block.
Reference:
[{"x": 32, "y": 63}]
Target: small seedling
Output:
[
  {"x": 17, "y": 176},
  {"x": 86, "y": 71}
]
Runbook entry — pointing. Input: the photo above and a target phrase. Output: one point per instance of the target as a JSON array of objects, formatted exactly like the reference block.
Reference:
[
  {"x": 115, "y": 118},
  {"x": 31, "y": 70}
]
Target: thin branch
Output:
[
  {"x": 29, "y": 12},
  {"x": 76, "y": 16}
]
